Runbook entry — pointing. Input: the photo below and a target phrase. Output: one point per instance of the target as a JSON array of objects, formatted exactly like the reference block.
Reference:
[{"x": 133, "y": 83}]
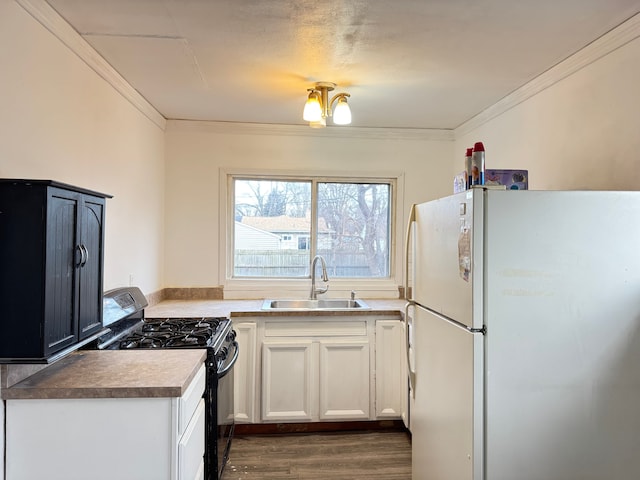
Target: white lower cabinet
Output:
[
  {"x": 107, "y": 438},
  {"x": 319, "y": 368}
]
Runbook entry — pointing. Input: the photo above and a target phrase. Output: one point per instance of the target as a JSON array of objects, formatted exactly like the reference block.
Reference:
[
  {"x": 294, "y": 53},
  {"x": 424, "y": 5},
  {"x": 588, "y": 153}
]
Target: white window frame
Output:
[{"x": 258, "y": 288}]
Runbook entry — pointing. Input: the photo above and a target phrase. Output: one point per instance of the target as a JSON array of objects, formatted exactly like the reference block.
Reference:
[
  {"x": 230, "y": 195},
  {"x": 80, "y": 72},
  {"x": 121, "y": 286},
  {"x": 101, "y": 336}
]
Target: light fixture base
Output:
[{"x": 328, "y": 85}]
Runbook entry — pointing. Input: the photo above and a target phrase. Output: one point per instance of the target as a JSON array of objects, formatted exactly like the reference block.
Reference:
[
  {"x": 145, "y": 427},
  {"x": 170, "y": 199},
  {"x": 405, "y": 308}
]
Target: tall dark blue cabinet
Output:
[{"x": 51, "y": 268}]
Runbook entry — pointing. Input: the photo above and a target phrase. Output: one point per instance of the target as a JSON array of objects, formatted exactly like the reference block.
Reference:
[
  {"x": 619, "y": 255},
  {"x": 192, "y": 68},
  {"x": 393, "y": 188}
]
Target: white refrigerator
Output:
[{"x": 525, "y": 336}]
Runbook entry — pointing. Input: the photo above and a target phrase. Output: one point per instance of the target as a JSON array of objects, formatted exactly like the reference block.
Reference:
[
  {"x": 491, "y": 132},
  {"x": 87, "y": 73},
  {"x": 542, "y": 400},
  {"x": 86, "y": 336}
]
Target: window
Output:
[
  {"x": 303, "y": 243},
  {"x": 282, "y": 223}
]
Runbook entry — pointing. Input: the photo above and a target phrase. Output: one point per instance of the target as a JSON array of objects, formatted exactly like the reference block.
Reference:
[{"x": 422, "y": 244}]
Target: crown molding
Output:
[
  {"x": 41, "y": 11},
  {"x": 607, "y": 43},
  {"x": 238, "y": 128}
]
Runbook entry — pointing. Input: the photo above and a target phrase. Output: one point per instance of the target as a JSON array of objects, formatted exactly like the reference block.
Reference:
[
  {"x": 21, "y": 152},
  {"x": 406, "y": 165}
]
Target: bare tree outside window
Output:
[
  {"x": 273, "y": 234},
  {"x": 358, "y": 216},
  {"x": 272, "y": 198}
]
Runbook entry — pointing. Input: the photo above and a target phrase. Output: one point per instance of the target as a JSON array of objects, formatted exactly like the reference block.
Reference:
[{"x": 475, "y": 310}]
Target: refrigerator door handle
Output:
[
  {"x": 455, "y": 323},
  {"x": 410, "y": 222},
  {"x": 411, "y": 370}
]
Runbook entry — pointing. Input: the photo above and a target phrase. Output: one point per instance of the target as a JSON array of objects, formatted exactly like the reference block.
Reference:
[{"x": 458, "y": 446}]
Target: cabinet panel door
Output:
[
  {"x": 391, "y": 383},
  {"x": 90, "y": 280},
  {"x": 344, "y": 379},
  {"x": 288, "y": 383},
  {"x": 60, "y": 328},
  {"x": 244, "y": 384}
]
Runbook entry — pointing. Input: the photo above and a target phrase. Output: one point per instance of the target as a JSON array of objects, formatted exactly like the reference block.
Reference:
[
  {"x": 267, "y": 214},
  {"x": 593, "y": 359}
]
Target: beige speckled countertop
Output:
[
  {"x": 113, "y": 374},
  {"x": 154, "y": 373},
  {"x": 252, "y": 308}
]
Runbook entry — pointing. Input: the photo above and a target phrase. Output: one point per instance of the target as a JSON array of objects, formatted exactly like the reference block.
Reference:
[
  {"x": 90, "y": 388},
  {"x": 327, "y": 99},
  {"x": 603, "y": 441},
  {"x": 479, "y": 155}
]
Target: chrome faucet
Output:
[{"x": 325, "y": 278}]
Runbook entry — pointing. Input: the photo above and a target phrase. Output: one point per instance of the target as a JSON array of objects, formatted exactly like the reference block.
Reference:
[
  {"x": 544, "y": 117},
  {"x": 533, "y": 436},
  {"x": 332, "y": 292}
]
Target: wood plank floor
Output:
[{"x": 336, "y": 456}]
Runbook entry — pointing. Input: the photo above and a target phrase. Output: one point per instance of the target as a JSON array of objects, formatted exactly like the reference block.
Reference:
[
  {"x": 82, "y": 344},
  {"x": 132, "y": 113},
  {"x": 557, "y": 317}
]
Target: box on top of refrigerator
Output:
[{"x": 511, "y": 179}]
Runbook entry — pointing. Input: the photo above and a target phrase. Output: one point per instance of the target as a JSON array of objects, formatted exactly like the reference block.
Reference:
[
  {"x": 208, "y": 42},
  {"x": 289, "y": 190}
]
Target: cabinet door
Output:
[
  {"x": 344, "y": 379},
  {"x": 391, "y": 384},
  {"x": 245, "y": 373},
  {"x": 73, "y": 268},
  {"x": 90, "y": 269},
  {"x": 288, "y": 380},
  {"x": 405, "y": 383},
  {"x": 62, "y": 257}
]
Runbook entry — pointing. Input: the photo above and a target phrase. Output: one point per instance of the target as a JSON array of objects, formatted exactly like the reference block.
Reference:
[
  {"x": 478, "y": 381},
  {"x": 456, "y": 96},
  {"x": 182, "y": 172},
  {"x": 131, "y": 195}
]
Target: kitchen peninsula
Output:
[{"x": 122, "y": 406}]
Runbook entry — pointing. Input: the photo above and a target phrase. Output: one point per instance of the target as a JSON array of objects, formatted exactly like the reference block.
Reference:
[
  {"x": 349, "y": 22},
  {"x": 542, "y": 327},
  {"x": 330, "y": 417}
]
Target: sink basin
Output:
[{"x": 324, "y": 304}]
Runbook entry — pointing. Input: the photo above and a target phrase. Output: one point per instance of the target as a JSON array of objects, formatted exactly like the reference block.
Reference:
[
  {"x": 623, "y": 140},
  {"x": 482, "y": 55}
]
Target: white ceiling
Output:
[{"x": 406, "y": 63}]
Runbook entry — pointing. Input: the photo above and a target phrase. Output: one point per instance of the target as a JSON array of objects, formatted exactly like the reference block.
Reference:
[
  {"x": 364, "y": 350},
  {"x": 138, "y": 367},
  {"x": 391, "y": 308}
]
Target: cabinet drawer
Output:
[
  {"x": 315, "y": 328},
  {"x": 191, "y": 447},
  {"x": 189, "y": 401}
]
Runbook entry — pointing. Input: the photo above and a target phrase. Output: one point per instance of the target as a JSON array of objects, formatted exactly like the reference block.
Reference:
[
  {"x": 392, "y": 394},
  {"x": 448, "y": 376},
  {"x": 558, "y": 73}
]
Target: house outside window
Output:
[{"x": 281, "y": 223}]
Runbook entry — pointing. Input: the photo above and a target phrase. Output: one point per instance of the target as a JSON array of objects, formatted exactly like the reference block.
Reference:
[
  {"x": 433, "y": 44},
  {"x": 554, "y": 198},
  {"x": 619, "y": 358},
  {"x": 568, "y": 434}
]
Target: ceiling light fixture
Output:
[{"x": 319, "y": 107}]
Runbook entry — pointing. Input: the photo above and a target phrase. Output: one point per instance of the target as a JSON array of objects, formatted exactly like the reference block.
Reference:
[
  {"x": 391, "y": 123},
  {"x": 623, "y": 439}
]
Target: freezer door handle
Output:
[{"x": 410, "y": 222}]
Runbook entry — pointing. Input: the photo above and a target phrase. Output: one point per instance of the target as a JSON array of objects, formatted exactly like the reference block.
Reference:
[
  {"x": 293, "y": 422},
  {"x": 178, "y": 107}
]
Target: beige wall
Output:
[
  {"x": 197, "y": 153},
  {"x": 61, "y": 121},
  {"x": 580, "y": 133}
]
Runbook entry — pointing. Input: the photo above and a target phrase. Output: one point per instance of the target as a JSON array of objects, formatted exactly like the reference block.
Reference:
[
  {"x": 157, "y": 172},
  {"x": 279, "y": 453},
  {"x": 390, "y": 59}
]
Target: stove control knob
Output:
[
  {"x": 224, "y": 351},
  {"x": 231, "y": 336}
]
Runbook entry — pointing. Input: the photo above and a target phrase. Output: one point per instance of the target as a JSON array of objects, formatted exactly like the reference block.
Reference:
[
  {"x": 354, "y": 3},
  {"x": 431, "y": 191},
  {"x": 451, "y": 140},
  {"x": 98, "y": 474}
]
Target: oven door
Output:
[{"x": 225, "y": 407}]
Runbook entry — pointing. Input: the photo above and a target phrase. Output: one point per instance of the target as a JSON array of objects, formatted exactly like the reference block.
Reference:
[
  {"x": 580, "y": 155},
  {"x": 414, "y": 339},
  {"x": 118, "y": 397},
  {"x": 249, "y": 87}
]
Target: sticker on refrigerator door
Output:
[{"x": 464, "y": 252}]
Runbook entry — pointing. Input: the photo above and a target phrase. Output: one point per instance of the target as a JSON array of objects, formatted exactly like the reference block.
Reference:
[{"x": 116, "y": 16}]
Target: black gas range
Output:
[{"x": 128, "y": 328}]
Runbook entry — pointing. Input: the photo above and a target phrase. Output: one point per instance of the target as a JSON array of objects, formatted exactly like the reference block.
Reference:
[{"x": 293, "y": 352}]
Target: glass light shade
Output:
[
  {"x": 342, "y": 112},
  {"x": 312, "y": 109}
]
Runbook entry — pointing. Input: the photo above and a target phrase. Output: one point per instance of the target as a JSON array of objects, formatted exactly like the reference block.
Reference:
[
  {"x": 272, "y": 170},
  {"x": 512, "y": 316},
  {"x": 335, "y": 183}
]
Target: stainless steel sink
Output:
[{"x": 325, "y": 304}]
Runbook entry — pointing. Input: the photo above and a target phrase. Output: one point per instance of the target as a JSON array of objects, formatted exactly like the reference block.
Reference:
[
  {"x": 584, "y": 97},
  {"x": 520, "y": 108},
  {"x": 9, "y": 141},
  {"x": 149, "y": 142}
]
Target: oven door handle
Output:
[{"x": 229, "y": 366}]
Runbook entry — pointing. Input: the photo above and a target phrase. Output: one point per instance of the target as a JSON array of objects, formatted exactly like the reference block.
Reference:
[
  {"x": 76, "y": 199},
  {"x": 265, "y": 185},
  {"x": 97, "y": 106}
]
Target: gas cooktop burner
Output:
[{"x": 174, "y": 333}]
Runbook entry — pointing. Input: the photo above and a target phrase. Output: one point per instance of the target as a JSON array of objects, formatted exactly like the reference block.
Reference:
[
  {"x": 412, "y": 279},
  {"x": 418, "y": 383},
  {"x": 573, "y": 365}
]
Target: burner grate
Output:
[{"x": 174, "y": 333}]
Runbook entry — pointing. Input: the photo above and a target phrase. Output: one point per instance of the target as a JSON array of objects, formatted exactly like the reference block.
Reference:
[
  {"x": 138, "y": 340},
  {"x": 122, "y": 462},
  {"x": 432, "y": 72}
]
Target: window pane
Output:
[
  {"x": 272, "y": 228},
  {"x": 354, "y": 228}
]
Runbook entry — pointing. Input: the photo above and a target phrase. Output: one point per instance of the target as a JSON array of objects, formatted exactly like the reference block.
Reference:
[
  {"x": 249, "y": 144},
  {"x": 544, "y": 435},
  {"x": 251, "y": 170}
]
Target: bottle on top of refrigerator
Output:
[
  {"x": 467, "y": 166},
  {"x": 477, "y": 164}
]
